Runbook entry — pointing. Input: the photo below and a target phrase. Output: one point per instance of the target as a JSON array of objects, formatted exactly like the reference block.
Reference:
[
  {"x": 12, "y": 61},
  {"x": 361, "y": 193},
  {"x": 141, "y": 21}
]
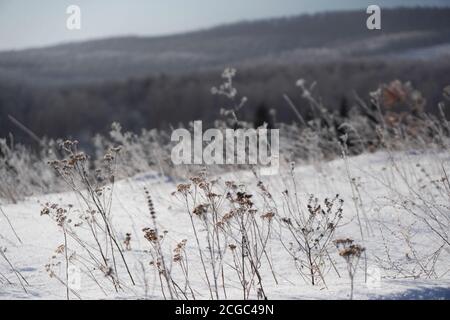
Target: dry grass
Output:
[{"x": 234, "y": 226}]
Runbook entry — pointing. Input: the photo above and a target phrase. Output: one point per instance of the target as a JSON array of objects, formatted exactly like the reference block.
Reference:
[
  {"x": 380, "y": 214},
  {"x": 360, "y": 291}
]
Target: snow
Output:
[{"x": 383, "y": 221}]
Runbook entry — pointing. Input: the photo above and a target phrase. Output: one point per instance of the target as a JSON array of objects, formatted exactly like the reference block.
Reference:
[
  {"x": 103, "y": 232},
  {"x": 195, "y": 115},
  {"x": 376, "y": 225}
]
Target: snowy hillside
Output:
[{"x": 395, "y": 205}]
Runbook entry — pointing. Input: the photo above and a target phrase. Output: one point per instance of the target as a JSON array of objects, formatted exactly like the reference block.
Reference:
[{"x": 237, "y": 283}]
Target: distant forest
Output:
[{"x": 163, "y": 101}]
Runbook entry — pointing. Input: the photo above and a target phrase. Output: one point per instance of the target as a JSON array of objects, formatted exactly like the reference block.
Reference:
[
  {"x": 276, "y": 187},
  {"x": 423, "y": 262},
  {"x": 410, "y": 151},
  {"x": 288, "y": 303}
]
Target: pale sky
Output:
[{"x": 34, "y": 23}]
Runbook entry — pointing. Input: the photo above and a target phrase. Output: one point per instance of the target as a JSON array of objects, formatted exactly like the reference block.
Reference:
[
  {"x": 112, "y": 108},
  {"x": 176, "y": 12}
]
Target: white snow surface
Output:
[{"x": 382, "y": 222}]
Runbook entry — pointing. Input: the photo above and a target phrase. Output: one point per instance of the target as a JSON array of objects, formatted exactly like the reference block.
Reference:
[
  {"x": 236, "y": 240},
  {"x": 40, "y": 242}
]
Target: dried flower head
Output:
[
  {"x": 150, "y": 234},
  {"x": 200, "y": 209},
  {"x": 268, "y": 216},
  {"x": 183, "y": 188}
]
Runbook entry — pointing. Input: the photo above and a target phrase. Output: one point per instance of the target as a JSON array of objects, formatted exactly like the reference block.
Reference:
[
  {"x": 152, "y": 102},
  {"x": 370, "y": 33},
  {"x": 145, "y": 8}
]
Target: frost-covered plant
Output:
[
  {"x": 149, "y": 150},
  {"x": 310, "y": 231},
  {"x": 351, "y": 253},
  {"x": 227, "y": 90},
  {"x": 236, "y": 233},
  {"x": 424, "y": 198},
  {"x": 25, "y": 172},
  {"x": 21, "y": 279},
  {"x": 203, "y": 204},
  {"x": 95, "y": 187},
  {"x": 169, "y": 286},
  {"x": 249, "y": 232}
]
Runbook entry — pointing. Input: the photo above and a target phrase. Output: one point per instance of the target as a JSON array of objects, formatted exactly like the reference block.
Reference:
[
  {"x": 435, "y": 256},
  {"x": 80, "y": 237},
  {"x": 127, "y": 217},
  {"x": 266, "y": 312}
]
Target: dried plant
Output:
[
  {"x": 249, "y": 231},
  {"x": 311, "y": 232},
  {"x": 22, "y": 281},
  {"x": 169, "y": 286},
  {"x": 204, "y": 207},
  {"x": 227, "y": 90},
  {"x": 127, "y": 241},
  {"x": 96, "y": 188},
  {"x": 236, "y": 233},
  {"x": 351, "y": 253}
]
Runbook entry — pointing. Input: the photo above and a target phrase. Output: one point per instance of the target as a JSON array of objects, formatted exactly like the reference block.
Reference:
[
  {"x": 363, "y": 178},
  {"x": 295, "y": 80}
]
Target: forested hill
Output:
[
  {"x": 322, "y": 36},
  {"x": 79, "y": 89}
]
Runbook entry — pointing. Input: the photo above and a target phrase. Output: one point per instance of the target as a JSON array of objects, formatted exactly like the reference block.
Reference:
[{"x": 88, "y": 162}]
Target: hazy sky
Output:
[{"x": 30, "y": 23}]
